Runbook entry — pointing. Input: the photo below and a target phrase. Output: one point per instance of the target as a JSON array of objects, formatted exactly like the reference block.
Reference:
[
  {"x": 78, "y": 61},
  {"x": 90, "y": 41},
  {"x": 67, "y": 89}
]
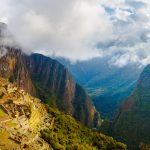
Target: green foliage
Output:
[
  {"x": 68, "y": 134},
  {"x": 132, "y": 124}
]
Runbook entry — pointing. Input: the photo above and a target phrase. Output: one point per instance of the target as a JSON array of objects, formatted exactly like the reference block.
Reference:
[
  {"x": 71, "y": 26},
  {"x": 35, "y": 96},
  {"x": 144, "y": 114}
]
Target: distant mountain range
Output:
[{"x": 107, "y": 84}]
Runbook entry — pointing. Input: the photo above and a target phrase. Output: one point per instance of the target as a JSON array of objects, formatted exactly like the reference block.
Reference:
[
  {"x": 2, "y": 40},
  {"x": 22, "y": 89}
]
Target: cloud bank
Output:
[{"x": 82, "y": 29}]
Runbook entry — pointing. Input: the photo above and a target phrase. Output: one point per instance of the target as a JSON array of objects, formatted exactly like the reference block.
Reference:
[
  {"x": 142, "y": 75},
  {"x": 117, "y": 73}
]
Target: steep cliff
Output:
[
  {"x": 133, "y": 121},
  {"x": 13, "y": 68},
  {"x": 55, "y": 85}
]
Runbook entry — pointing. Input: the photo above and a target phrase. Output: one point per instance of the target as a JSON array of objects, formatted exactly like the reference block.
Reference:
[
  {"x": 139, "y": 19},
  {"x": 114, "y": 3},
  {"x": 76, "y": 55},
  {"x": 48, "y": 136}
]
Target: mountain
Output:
[
  {"x": 107, "y": 84},
  {"x": 26, "y": 123},
  {"x": 52, "y": 80},
  {"x": 132, "y": 122},
  {"x": 48, "y": 80}
]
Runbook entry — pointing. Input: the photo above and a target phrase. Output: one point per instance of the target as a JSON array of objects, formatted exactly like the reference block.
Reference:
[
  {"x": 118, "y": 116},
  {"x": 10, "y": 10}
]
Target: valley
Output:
[{"x": 107, "y": 85}]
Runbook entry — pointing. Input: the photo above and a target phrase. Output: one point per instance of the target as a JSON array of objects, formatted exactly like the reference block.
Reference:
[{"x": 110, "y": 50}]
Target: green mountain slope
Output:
[
  {"x": 133, "y": 120},
  {"x": 26, "y": 123}
]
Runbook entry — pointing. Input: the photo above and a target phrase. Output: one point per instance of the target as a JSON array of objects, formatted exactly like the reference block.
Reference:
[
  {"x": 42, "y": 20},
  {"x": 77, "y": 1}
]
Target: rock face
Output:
[
  {"x": 13, "y": 68},
  {"x": 48, "y": 80},
  {"x": 133, "y": 120},
  {"x": 51, "y": 79},
  {"x": 54, "y": 84}
]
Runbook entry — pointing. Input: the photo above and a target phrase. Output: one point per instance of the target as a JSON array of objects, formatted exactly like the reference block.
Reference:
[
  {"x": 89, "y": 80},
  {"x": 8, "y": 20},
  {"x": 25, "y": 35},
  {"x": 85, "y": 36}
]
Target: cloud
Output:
[
  {"x": 82, "y": 29},
  {"x": 66, "y": 28}
]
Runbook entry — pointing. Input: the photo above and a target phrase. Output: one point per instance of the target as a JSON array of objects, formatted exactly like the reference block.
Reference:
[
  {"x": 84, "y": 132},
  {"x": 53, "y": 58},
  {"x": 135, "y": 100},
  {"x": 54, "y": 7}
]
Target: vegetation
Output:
[
  {"x": 132, "y": 124},
  {"x": 68, "y": 134}
]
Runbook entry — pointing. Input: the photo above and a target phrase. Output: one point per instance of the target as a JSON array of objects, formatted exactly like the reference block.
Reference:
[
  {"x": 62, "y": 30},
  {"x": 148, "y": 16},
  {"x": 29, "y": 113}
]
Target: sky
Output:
[{"x": 82, "y": 29}]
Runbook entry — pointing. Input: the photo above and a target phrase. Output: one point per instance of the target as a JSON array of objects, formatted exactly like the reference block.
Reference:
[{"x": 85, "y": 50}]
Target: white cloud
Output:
[
  {"x": 66, "y": 28},
  {"x": 82, "y": 29}
]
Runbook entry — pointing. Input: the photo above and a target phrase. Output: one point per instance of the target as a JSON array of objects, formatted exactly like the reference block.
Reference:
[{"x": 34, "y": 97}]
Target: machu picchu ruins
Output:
[{"x": 21, "y": 119}]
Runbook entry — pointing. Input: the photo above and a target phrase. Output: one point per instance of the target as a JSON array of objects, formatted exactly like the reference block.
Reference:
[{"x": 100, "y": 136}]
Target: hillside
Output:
[
  {"x": 132, "y": 122},
  {"x": 26, "y": 123}
]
